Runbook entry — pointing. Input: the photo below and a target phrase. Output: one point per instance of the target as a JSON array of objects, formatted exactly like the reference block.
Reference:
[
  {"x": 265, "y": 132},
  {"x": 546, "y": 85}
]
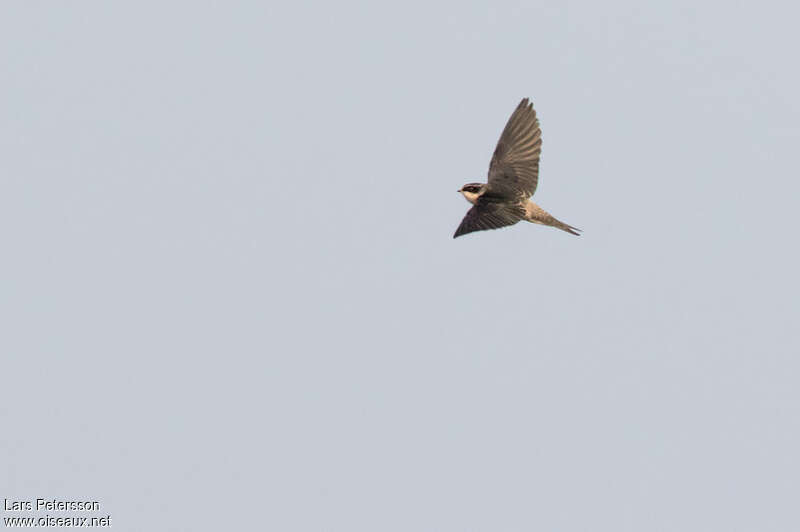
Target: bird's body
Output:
[{"x": 513, "y": 176}]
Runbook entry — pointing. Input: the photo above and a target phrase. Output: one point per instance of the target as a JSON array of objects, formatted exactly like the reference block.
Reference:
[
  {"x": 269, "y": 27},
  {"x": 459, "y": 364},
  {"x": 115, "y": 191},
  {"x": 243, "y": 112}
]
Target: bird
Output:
[{"x": 513, "y": 176}]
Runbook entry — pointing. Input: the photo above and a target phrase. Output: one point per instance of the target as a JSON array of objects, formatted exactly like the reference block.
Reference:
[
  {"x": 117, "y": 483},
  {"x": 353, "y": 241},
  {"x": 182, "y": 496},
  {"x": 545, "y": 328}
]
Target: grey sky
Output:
[{"x": 231, "y": 299}]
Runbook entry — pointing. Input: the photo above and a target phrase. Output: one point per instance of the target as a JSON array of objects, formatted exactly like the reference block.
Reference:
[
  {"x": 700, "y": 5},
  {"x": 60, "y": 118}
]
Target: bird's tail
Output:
[
  {"x": 564, "y": 227},
  {"x": 537, "y": 215}
]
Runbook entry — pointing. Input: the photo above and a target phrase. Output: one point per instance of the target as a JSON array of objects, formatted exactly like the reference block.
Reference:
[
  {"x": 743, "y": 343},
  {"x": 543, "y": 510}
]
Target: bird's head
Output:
[{"x": 472, "y": 191}]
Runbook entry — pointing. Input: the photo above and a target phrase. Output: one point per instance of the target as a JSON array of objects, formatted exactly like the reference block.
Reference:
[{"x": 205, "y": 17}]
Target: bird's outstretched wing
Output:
[
  {"x": 514, "y": 169},
  {"x": 489, "y": 215}
]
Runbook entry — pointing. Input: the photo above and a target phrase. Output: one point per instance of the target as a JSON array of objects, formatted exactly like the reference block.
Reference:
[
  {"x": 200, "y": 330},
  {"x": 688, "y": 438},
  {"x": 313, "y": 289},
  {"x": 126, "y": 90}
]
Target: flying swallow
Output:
[{"x": 513, "y": 175}]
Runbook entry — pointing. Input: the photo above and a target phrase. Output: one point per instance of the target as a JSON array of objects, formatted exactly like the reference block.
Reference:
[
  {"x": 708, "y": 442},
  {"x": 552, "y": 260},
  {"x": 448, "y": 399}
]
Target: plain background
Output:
[{"x": 231, "y": 300}]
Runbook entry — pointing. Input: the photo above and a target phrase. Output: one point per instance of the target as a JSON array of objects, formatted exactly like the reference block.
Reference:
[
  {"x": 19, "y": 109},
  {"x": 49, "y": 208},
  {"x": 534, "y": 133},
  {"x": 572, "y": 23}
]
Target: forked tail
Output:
[
  {"x": 564, "y": 227},
  {"x": 537, "y": 215}
]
